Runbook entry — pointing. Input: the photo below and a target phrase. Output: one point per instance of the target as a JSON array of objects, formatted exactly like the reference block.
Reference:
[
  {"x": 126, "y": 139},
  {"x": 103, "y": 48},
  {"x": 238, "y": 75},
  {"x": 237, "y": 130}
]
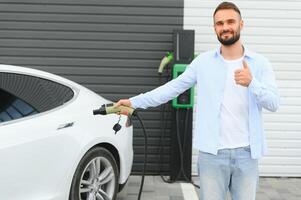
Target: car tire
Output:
[{"x": 96, "y": 176}]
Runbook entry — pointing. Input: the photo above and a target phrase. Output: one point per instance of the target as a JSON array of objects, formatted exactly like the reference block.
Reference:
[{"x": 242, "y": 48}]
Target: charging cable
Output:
[{"x": 181, "y": 146}]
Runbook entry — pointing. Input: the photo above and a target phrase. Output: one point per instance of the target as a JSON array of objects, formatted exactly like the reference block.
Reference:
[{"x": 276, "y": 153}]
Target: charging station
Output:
[
  {"x": 186, "y": 99},
  {"x": 181, "y": 139}
]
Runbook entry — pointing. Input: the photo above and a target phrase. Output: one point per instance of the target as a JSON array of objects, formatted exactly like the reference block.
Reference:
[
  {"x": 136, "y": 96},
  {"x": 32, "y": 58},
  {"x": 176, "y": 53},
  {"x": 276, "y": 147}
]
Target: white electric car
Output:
[{"x": 52, "y": 147}]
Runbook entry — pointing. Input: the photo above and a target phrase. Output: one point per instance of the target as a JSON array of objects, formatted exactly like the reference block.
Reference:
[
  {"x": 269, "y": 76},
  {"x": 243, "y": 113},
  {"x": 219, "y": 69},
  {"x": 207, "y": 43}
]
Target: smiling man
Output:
[{"x": 233, "y": 85}]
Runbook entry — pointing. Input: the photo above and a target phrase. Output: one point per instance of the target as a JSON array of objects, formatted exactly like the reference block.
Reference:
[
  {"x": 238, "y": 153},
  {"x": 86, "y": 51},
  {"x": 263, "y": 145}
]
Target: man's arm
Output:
[
  {"x": 265, "y": 91},
  {"x": 165, "y": 92}
]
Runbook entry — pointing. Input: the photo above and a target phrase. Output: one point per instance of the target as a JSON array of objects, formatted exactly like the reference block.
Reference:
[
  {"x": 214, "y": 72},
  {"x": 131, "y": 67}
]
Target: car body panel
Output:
[{"x": 40, "y": 153}]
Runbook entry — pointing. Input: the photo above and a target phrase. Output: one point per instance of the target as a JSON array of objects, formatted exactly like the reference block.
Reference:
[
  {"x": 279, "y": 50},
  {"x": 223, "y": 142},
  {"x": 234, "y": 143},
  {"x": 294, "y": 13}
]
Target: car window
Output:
[
  {"x": 13, "y": 108},
  {"x": 24, "y": 95}
]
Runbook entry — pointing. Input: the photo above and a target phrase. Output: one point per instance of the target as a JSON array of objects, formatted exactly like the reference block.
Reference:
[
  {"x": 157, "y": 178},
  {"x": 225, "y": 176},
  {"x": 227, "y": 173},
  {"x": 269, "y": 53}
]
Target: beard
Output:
[{"x": 229, "y": 41}]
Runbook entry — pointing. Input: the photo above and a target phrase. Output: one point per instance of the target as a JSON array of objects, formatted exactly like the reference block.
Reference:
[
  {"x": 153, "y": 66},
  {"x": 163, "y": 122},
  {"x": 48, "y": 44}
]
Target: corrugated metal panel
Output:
[
  {"x": 273, "y": 29},
  {"x": 111, "y": 46}
]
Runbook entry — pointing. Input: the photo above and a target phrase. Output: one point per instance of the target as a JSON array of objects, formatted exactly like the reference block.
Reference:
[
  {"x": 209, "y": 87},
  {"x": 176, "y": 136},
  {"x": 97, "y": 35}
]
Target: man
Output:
[{"x": 233, "y": 85}]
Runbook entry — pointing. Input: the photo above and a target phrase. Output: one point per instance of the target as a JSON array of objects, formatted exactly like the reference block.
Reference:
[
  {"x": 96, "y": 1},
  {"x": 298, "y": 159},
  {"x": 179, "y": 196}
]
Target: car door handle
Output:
[{"x": 67, "y": 125}]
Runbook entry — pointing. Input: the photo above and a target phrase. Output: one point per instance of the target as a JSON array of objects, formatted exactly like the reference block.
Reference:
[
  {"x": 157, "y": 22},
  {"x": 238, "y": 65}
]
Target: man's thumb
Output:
[{"x": 245, "y": 64}]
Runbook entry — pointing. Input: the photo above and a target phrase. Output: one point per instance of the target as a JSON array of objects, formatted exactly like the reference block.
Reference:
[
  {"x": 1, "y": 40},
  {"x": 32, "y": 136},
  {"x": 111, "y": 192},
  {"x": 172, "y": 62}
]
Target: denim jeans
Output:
[{"x": 230, "y": 170}]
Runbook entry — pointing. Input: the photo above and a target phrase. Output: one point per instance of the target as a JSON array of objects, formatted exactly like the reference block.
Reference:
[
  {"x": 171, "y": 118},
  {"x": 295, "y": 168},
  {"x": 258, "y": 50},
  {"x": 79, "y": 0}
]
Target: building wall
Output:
[
  {"x": 113, "y": 47},
  {"x": 273, "y": 28}
]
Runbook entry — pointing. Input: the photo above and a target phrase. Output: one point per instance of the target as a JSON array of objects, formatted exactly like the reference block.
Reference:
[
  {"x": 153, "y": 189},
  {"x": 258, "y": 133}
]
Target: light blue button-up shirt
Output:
[{"x": 209, "y": 72}]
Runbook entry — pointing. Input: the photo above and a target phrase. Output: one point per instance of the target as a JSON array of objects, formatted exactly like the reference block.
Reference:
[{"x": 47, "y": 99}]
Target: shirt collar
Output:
[{"x": 247, "y": 52}]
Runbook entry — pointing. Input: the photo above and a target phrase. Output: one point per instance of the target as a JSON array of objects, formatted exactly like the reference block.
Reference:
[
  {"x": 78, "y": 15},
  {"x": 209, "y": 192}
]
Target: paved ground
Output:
[
  {"x": 156, "y": 189},
  {"x": 279, "y": 189}
]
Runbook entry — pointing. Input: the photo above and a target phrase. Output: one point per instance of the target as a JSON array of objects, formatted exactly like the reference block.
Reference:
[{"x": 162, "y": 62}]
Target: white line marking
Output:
[{"x": 189, "y": 192}]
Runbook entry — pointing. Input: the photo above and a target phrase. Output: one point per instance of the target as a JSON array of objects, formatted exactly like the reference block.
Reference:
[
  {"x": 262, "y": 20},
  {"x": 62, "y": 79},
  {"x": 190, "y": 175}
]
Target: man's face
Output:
[{"x": 227, "y": 26}]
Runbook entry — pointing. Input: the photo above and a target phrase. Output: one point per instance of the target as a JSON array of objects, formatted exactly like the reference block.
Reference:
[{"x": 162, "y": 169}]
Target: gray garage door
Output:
[{"x": 110, "y": 46}]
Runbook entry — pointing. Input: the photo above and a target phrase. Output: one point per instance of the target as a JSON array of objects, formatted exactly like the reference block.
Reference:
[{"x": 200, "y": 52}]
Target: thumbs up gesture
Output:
[{"x": 243, "y": 76}]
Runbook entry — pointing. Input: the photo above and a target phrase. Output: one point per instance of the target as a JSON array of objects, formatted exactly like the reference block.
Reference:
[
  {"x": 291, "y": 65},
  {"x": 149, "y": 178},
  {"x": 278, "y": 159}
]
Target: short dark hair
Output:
[{"x": 227, "y": 5}]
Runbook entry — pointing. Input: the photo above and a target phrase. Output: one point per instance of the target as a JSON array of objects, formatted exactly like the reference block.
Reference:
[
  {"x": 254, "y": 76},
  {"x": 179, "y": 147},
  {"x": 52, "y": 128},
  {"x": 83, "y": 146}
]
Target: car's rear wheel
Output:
[{"x": 96, "y": 177}]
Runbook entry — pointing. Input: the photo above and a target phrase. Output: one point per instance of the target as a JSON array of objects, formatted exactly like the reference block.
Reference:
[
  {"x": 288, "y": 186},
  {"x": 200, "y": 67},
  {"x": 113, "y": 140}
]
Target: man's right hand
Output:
[{"x": 123, "y": 102}]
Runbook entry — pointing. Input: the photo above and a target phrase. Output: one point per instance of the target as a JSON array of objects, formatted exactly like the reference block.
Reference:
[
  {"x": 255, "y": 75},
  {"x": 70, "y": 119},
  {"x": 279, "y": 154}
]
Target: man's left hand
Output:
[{"x": 243, "y": 76}]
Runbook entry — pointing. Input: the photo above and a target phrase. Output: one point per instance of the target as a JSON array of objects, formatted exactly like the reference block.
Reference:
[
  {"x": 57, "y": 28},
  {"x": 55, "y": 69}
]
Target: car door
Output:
[{"x": 37, "y": 139}]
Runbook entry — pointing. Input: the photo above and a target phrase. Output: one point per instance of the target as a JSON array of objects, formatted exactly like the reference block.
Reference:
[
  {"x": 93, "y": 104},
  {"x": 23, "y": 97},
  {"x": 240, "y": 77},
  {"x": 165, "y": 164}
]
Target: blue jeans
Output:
[{"x": 230, "y": 170}]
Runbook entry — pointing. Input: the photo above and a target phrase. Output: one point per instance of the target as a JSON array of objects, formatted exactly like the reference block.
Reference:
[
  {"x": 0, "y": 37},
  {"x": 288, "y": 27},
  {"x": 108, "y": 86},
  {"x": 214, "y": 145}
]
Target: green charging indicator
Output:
[{"x": 186, "y": 99}]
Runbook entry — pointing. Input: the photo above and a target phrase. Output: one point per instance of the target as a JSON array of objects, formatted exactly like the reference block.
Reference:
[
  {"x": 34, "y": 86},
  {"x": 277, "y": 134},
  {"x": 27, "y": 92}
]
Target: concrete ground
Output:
[
  {"x": 156, "y": 189},
  {"x": 279, "y": 189}
]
